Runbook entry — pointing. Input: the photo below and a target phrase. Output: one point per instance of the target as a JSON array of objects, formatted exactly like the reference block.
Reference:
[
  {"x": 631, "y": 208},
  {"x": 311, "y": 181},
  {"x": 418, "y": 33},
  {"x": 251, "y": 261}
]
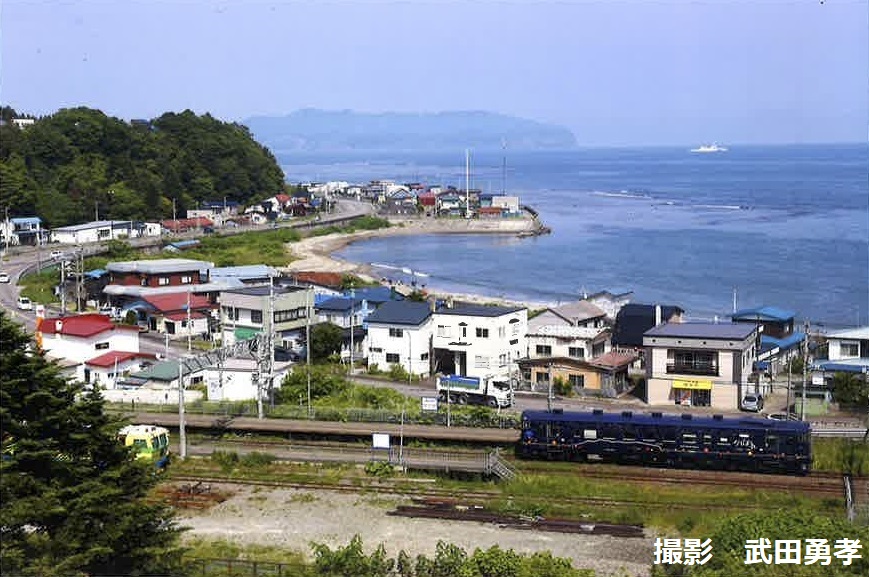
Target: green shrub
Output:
[
  {"x": 379, "y": 469},
  {"x": 226, "y": 460},
  {"x": 257, "y": 459}
]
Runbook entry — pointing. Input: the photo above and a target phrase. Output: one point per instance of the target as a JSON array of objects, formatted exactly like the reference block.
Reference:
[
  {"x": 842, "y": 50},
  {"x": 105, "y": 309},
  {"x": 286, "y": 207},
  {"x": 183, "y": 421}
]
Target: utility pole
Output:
[
  {"x": 805, "y": 371},
  {"x": 549, "y": 392},
  {"x": 352, "y": 325},
  {"x": 271, "y": 337},
  {"x": 7, "y": 232},
  {"x": 308, "y": 302},
  {"x": 467, "y": 183},
  {"x": 182, "y": 434},
  {"x": 189, "y": 323},
  {"x": 96, "y": 211},
  {"x": 63, "y": 288},
  {"x": 174, "y": 216}
]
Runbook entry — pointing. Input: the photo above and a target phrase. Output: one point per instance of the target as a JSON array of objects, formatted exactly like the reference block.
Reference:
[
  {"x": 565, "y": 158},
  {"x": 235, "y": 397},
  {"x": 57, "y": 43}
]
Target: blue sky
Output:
[{"x": 616, "y": 72}]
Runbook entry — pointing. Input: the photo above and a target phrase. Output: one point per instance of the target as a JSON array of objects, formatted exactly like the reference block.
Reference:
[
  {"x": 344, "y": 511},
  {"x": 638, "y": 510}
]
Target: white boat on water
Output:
[{"x": 709, "y": 148}]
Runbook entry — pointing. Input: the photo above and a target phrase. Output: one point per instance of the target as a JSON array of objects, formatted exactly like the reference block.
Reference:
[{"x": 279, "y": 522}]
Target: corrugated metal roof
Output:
[
  {"x": 764, "y": 313},
  {"x": 400, "y": 313},
  {"x": 472, "y": 310}
]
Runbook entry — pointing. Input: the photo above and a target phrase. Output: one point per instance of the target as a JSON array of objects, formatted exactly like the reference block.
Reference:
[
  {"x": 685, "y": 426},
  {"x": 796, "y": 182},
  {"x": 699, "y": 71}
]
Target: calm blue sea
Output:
[{"x": 781, "y": 225}]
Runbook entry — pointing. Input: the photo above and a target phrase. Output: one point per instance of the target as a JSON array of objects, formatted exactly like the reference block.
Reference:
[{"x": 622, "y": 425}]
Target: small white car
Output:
[
  {"x": 25, "y": 304},
  {"x": 4, "y": 277},
  {"x": 56, "y": 254}
]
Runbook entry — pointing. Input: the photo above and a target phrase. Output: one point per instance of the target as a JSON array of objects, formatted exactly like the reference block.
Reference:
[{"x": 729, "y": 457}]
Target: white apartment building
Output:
[
  {"x": 575, "y": 330},
  {"x": 479, "y": 341},
  {"x": 400, "y": 333}
]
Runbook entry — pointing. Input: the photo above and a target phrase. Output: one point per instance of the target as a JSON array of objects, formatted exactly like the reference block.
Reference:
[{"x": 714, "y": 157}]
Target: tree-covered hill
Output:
[{"x": 67, "y": 165}]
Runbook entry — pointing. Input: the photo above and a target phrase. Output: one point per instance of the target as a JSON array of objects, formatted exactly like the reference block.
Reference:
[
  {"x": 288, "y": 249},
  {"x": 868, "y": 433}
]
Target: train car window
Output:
[
  {"x": 708, "y": 439},
  {"x": 669, "y": 434},
  {"x": 629, "y": 432},
  {"x": 689, "y": 438},
  {"x": 589, "y": 433},
  {"x": 140, "y": 443},
  {"x": 609, "y": 432},
  {"x": 772, "y": 442}
]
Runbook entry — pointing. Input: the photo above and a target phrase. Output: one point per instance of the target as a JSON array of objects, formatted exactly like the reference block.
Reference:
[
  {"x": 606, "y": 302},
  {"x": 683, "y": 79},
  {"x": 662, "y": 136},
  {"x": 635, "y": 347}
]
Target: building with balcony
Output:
[
  {"x": 479, "y": 341},
  {"x": 575, "y": 330},
  {"x": 700, "y": 364},
  {"x": 244, "y": 312}
]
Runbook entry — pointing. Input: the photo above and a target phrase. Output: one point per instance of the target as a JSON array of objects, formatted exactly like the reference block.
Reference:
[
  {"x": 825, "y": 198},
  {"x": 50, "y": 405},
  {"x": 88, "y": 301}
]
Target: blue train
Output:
[{"x": 687, "y": 441}]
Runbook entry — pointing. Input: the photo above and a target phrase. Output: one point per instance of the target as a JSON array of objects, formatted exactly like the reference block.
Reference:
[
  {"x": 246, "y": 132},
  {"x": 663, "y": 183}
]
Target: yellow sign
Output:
[{"x": 694, "y": 384}]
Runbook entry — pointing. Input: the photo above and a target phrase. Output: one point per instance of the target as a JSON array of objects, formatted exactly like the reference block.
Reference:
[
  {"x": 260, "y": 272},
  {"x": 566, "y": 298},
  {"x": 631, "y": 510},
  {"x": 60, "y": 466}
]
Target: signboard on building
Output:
[
  {"x": 693, "y": 384},
  {"x": 429, "y": 404}
]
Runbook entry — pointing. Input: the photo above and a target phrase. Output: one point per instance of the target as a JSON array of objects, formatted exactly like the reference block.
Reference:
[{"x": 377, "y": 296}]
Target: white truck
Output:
[{"x": 492, "y": 391}]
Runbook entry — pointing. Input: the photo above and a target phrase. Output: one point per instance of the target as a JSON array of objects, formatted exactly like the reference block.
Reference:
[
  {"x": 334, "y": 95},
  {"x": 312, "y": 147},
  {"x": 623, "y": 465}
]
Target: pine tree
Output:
[{"x": 72, "y": 497}]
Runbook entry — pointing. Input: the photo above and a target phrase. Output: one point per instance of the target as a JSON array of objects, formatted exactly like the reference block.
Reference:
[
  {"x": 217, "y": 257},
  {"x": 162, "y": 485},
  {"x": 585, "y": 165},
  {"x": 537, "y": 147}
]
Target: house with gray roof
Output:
[
  {"x": 479, "y": 341},
  {"x": 400, "y": 333},
  {"x": 575, "y": 330},
  {"x": 700, "y": 364}
]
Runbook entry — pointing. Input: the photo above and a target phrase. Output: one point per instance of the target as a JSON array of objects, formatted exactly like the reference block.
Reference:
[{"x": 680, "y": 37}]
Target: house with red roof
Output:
[
  {"x": 76, "y": 341},
  {"x": 185, "y": 224},
  {"x": 167, "y": 313}
]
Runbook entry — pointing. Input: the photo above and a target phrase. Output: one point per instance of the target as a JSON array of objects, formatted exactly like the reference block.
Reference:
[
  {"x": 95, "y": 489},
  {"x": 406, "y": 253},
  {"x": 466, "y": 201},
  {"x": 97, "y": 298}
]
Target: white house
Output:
[
  {"x": 96, "y": 231},
  {"x": 107, "y": 369},
  {"x": 478, "y": 340},
  {"x": 507, "y": 203},
  {"x": 575, "y": 330},
  {"x": 82, "y": 339},
  {"x": 235, "y": 380},
  {"x": 847, "y": 351},
  {"x": 399, "y": 333}
]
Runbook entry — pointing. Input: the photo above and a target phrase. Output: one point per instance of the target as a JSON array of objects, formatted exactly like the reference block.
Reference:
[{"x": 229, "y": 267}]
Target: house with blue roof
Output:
[
  {"x": 779, "y": 343},
  {"x": 25, "y": 230},
  {"x": 400, "y": 333},
  {"x": 700, "y": 364}
]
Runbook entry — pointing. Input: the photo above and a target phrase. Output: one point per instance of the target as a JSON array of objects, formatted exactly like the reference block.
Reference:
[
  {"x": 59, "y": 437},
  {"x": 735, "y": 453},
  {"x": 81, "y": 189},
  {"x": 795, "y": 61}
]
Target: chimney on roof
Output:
[{"x": 657, "y": 315}]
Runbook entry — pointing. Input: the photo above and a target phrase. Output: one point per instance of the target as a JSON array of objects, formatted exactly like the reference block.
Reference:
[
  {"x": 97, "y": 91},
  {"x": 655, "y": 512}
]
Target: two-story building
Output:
[
  {"x": 400, "y": 333},
  {"x": 91, "y": 348},
  {"x": 478, "y": 340},
  {"x": 700, "y": 364},
  {"x": 244, "y": 312},
  {"x": 130, "y": 281},
  {"x": 847, "y": 351},
  {"x": 575, "y": 330},
  {"x": 779, "y": 342}
]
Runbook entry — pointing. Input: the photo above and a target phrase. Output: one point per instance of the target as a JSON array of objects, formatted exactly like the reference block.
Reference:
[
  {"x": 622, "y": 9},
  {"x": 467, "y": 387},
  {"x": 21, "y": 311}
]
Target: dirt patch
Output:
[{"x": 294, "y": 519}]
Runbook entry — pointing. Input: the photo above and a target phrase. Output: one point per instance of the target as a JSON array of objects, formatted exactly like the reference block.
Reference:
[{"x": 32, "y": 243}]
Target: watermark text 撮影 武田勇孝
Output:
[{"x": 761, "y": 551}]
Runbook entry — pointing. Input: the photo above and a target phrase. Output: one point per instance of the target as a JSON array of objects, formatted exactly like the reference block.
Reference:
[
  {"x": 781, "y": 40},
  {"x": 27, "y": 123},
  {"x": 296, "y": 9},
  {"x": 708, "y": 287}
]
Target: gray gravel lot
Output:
[{"x": 293, "y": 519}]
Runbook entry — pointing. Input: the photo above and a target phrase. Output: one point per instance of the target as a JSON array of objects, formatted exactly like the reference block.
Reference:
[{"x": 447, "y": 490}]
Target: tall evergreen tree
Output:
[{"x": 72, "y": 497}]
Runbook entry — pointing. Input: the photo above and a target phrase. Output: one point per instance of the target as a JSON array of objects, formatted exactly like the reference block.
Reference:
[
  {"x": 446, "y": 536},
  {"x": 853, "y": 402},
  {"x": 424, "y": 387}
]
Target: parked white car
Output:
[
  {"x": 25, "y": 304},
  {"x": 56, "y": 254},
  {"x": 4, "y": 277}
]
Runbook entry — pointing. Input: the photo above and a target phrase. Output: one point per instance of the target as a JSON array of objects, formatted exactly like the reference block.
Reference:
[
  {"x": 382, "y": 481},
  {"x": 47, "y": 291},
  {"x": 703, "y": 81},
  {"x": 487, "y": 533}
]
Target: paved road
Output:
[{"x": 23, "y": 259}]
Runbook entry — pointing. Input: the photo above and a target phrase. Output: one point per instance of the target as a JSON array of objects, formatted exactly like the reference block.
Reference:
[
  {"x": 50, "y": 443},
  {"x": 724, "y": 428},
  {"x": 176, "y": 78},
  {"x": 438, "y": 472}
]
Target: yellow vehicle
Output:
[{"x": 149, "y": 442}]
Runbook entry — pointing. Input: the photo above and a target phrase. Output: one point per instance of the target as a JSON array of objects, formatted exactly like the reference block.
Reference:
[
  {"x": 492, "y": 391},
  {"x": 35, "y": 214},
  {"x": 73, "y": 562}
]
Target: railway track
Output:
[
  {"x": 816, "y": 484},
  {"x": 470, "y": 498},
  {"x": 823, "y": 485}
]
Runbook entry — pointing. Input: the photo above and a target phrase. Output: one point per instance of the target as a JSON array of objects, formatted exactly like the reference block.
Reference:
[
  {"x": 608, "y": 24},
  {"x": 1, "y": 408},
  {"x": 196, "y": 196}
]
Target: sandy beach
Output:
[{"x": 316, "y": 253}]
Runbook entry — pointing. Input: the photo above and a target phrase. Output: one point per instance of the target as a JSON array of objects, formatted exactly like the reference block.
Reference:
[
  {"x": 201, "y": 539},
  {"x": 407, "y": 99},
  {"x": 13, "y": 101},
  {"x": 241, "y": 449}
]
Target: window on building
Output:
[
  {"x": 423, "y": 357},
  {"x": 482, "y": 333},
  {"x": 256, "y": 316},
  {"x": 481, "y": 362},
  {"x": 186, "y": 279},
  {"x": 101, "y": 346},
  {"x": 464, "y": 331},
  {"x": 231, "y": 313},
  {"x": 542, "y": 377},
  {"x": 576, "y": 381},
  {"x": 502, "y": 359},
  {"x": 849, "y": 349},
  {"x": 690, "y": 362},
  {"x": 398, "y": 333},
  {"x": 163, "y": 280},
  {"x": 543, "y": 349},
  {"x": 576, "y": 352},
  {"x": 597, "y": 349},
  {"x": 393, "y": 358},
  {"x": 143, "y": 281}
]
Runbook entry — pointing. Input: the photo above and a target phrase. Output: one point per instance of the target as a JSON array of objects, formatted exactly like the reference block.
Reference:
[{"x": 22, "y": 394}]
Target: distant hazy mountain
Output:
[{"x": 312, "y": 129}]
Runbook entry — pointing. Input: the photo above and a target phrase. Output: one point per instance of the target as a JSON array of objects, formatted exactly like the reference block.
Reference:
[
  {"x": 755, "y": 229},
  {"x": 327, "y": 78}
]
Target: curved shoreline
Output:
[{"x": 315, "y": 253}]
